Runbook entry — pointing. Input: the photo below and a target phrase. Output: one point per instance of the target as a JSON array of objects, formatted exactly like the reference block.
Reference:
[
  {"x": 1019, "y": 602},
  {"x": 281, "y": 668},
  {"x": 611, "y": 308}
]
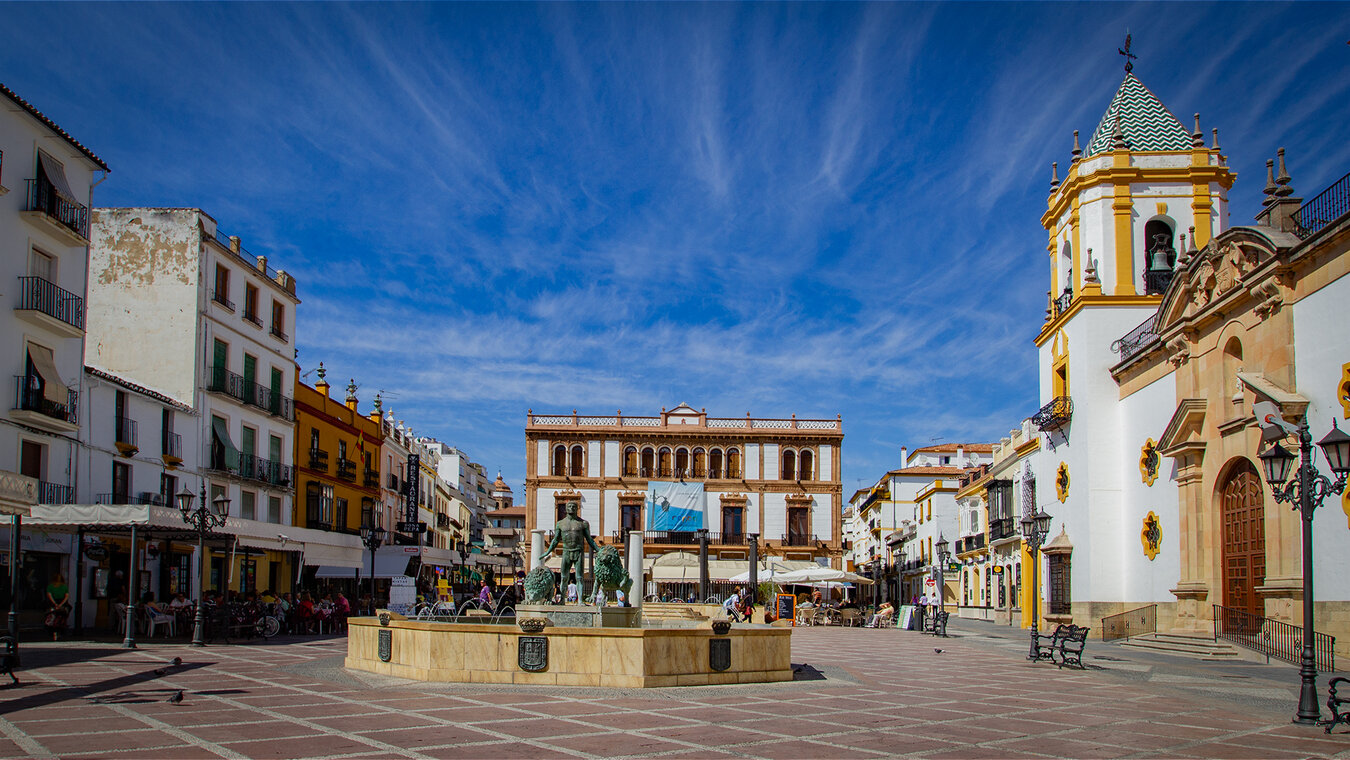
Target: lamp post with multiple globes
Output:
[
  {"x": 1308, "y": 489},
  {"x": 1034, "y": 530},
  {"x": 202, "y": 517}
]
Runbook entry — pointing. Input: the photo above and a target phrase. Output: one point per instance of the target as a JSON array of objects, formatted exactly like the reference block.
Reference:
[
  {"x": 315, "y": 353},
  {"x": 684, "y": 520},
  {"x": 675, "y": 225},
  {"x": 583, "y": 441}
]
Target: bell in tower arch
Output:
[{"x": 1161, "y": 258}]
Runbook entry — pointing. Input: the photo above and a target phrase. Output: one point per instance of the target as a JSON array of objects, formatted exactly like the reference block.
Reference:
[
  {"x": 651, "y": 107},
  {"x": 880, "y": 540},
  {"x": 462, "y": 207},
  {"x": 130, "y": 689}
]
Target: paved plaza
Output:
[{"x": 861, "y": 693}]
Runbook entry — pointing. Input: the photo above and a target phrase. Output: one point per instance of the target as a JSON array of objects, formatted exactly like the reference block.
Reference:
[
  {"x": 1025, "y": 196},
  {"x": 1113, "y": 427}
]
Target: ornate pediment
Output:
[{"x": 1223, "y": 267}]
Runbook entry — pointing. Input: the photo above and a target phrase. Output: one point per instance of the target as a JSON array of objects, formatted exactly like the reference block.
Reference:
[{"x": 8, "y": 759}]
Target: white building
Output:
[
  {"x": 46, "y": 182},
  {"x": 181, "y": 309}
]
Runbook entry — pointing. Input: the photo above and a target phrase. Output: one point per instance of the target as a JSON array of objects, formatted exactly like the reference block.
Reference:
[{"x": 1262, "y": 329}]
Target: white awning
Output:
[
  {"x": 53, "y": 389},
  {"x": 56, "y": 174},
  {"x": 337, "y": 556}
]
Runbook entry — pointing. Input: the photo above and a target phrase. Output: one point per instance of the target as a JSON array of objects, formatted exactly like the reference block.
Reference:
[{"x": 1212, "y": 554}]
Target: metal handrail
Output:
[
  {"x": 28, "y": 396},
  {"x": 1138, "y": 339},
  {"x": 1055, "y": 414},
  {"x": 1329, "y": 205},
  {"x": 1135, "y": 622},
  {"x": 1273, "y": 638},
  {"x": 42, "y": 196},
  {"x": 38, "y": 294}
]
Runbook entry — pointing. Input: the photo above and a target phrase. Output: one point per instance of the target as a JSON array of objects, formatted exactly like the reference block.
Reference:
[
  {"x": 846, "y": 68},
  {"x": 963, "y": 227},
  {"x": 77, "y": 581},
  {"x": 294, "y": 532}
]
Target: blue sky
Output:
[{"x": 774, "y": 209}]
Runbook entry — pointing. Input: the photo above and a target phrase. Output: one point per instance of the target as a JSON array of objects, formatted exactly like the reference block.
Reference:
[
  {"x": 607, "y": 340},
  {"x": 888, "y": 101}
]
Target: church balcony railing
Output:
[
  {"x": 1055, "y": 414},
  {"x": 1137, "y": 339},
  {"x": 1061, "y": 304},
  {"x": 1329, "y": 205},
  {"x": 1156, "y": 282}
]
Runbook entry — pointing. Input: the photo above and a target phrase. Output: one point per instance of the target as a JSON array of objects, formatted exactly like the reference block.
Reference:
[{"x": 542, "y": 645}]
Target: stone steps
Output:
[
  {"x": 667, "y": 611},
  {"x": 1185, "y": 645}
]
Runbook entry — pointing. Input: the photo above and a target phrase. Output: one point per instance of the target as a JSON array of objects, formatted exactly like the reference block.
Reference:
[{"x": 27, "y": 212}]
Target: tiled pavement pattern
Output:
[{"x": 872, "y": 693}]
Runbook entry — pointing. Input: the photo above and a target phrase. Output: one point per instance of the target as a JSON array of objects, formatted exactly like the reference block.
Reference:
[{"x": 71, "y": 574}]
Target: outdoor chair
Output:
[
  {"x": 850, "y": 617},
  {"x": 120, "y": 614},
  {"x": 151, "y": 621}
]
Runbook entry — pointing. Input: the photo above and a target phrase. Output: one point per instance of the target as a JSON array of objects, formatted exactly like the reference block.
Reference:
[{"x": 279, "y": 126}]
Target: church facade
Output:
[
  {"x": 773, "y": 481},
  {"x": 1164, "y": 325}
]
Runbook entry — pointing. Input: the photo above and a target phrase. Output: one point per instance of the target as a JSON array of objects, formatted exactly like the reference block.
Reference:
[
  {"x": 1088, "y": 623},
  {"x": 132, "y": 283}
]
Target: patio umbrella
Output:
[
  {"x": 812, "y": 575},
  {"x": 770, "y": 572}
]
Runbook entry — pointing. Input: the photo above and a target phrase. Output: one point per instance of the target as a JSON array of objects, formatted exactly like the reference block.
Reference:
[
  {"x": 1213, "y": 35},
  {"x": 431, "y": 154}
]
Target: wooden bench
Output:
[
  {"x": 1336, "y": 704},
  {"x": 9, "y": 658}
]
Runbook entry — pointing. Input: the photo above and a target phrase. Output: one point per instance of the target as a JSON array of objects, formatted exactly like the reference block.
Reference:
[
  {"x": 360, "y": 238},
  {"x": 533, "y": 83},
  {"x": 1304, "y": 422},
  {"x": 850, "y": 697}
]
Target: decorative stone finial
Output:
[
  {"x": 351, "y": 391},
  {"x": 322, "y": 372},
  {"x": 1271, "y": 187},
  {"x": 1192, "y": 252},
  {"x": 1090, "y": 273},
  {"x": 378, "y": 404},
  {"x": 1197, "y": 137},
  {"x": 1117, "y": 135},
  {"x": 1282, "y": 188},
  {"x": 1182, "y": 258},
  {"x": 1215, "y": 132},
  {"x": 1077, "y": 151},
  {"x": 1054, "y": 175}
]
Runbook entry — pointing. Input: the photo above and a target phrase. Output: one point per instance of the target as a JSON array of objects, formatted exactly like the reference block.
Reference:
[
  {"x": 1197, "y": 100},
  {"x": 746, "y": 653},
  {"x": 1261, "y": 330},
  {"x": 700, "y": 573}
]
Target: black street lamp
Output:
[
  {"x": 943, "y": 557},
  {"x": 1034, "y": 530},
  {"x": 1307, "y": 491},
  {"x": 372, "y": 535},
  {"x": 202, "y": 518}
]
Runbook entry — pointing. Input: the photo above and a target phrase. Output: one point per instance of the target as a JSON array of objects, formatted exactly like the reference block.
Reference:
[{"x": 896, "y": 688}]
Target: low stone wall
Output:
[{"x": 613, "y": 657}]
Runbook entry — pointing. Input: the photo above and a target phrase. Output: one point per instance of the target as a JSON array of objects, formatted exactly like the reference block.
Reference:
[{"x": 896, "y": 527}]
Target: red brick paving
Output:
[{"x": 981, "y": 699}]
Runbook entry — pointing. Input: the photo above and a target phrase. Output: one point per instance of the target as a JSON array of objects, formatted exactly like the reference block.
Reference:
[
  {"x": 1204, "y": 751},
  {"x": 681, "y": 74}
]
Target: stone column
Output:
[
  {"x": 754, "y": 567},
  {"x": 702, "y": 565},
  {"x": 639, "y": 588},
  {"x": 537, "y": 544}
]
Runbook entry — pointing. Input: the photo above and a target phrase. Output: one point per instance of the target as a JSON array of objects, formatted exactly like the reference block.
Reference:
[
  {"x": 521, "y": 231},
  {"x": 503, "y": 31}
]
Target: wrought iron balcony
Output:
[
  {"x": 264, "y": 470},
  {"x": 253, "y": 318},
  {"x": 372, "y": 479},
  {"x": 799, "y": 539},
  {"x": 1137, "y": 339},
  {"x": 55, "y": 493},
  {"x": 126, "y": 431},
  {"x": 145, "y": 497},
  {"x": 1329, "y": 205},
  {"x": 37, "y": 294},
  {"x": 222, "y": 298},
  {"x": 43, "y": 198},
  {"x": 1062, "y": 303},
  {"x": 28, "y": 397},
  {"x": 1005, "y": 527},
  {"x": 279, "y": 333},
  {"x": 682, "y": 537},
  {"x": 1055, "y": 414},
  {"x": 346, "y": 469},
  {"x": 252, "y": 393},
  {"x": 1156, "y": 282},
  {"x": 318, "y": 459},
  {"x": 171, "y": 446}
]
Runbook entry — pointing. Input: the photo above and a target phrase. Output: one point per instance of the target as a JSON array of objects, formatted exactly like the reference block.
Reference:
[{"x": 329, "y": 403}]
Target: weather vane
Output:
[{"x": 1128, "y": 55}]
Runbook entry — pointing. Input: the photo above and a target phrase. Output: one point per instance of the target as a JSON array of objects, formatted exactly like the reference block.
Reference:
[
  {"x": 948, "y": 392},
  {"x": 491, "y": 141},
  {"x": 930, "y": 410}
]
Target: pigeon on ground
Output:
[
  {"x": 160, "y": 671},
  {"x": 176, "y": 661},
  {"x": 176, "y": 698},
  {"x": 938, "y": 651}
]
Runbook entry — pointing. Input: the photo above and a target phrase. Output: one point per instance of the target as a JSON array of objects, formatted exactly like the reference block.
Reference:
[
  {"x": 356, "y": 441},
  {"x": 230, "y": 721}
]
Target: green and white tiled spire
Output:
[{"x": 1144, "y": 120}]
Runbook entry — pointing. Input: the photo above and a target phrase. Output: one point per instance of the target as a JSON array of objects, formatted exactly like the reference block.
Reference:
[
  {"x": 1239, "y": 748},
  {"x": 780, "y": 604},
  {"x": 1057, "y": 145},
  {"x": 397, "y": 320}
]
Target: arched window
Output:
[
  {"x": 806, "y": 463},
  {"x": 630, "y": 461},
  {"x": 648, "y": 463},
  {"x": 789, "y": 465},
  {"x": 681, "y": 462},
  {"x": 700, "y": 463},
  {"x": 1160, "y": 256},
  {"x": 559, "y": 460},
  {"x": 1232, "y": 365},
  {"x": 663, "y": 463},
  {"x": 733, "y": 463},
  {"x": 715, "y": 464},
  {"x": 578, "y": 460}
]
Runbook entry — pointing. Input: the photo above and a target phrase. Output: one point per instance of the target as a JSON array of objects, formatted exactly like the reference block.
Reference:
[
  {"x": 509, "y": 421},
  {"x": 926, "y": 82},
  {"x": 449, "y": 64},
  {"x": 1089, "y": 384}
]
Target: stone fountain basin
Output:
[{"x": 608, "y": 657}]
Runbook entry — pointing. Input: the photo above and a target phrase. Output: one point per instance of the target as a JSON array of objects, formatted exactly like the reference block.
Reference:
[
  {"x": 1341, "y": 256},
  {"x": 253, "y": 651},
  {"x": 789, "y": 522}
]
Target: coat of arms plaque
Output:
[
  {"x": 532, "y": 653},
  {"x": 719, "y": 654},
  {"x": 386, "y": 644}
]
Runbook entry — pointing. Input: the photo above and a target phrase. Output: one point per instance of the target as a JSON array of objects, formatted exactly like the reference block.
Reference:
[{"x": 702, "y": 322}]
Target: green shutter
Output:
[
  {"x": 276, "y": 395},
  {"x": 250, "y": 370}
]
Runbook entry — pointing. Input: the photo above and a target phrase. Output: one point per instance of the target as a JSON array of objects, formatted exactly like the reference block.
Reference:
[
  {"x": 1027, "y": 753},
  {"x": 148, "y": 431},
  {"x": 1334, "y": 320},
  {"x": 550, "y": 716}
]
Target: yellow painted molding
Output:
[
  {"x": 1061, "y": 199},
  {"x": 1056, "y": 324},
  {"x": 1343, "y": 393}
]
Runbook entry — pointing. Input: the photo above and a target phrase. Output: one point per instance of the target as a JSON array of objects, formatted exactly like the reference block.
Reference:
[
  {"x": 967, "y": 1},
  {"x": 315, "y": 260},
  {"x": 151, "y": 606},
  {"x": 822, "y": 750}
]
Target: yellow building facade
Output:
[{"x": 336, "y": 459}]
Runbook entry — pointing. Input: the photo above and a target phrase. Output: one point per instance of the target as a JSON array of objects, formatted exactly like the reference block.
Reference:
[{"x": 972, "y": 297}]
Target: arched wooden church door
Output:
[{"x": 1244, "y": 538}]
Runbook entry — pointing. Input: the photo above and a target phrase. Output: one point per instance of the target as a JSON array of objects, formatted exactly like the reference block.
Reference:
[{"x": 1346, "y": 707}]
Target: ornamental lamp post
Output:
[
  {"x": 1034, "y": 530},
  {"x": 943, "y": 557},
  {"x": 1306, "y": 492},
  {"x": 372, "y": 535},
  {"x": 202, "y": 518}
]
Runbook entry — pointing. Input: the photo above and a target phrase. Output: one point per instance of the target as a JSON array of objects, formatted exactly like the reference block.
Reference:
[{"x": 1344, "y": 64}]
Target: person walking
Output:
[
  {"x": 58, "y": 596},
  {"x": 732, "y": 606}
]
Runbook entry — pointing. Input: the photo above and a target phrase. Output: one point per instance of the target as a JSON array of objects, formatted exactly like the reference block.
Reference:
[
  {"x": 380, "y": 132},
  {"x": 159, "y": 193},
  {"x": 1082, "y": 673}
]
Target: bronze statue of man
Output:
[{"x": 574, "y": 533}]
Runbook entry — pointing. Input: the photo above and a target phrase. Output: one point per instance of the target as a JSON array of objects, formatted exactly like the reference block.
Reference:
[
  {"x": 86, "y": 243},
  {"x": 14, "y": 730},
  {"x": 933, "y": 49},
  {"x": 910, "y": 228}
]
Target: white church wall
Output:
[
  {"x": 1143, "y": 415},
  {"x": 1319, "y": 324}
]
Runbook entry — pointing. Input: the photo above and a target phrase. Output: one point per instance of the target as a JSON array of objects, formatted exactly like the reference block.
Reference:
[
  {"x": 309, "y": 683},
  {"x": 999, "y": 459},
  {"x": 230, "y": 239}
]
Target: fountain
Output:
[{"x": 572, "y": 644}]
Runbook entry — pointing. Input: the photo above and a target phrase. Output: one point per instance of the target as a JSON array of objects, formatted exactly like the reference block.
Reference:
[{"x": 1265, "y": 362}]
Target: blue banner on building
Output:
[{"x": 675, "y": 506}]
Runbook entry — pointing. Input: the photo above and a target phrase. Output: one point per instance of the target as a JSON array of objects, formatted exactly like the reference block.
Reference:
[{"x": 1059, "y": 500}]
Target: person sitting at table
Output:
[
  {"x": 816, "y": 598},
  {"x": 179, "y": 601},
  {"x": 882, "y": 617},
  {"x": 304, "y": 613},
  {"x": 154, "y": 613}
]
